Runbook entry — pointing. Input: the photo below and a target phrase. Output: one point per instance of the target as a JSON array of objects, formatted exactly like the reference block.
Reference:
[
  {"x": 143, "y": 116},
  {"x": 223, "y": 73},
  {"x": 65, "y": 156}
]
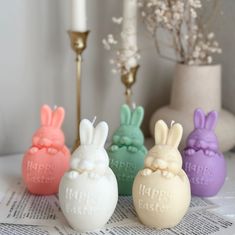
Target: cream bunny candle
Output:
[
  {"x": 88, "y": 192},
  {"x": 127, "y": 151},
  {"x": 161, "y": 191},
  {"x": 203, "y": 162},
  {"x": 46, "y": 161}
]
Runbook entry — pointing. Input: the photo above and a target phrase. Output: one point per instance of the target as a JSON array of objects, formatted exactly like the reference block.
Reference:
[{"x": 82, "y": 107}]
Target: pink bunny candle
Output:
[
  {"x": 202, "y": 160},
  {"x": 47, "y": 160}
]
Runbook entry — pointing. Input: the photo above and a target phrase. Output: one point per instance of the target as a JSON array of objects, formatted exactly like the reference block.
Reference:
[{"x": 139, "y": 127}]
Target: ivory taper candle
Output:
[
  {"x": 79, "y": 17},
  {"x": 129, "y": 29}
]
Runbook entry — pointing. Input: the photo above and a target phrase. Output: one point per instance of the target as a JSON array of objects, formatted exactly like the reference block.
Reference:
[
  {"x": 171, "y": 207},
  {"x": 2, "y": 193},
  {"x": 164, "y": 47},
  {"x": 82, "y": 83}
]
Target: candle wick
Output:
[
  {"x": 172, "y": 123},
  {"x": 133, "y": 105},
  {"x": 93, "y": 121}
]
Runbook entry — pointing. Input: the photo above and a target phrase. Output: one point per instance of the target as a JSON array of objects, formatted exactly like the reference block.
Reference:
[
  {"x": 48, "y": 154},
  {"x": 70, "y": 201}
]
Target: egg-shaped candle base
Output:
[
  {"x": 161, "y": 202},
  {"x": 43, "y": 171},
  {"x": 206, "y": 173},
  {"x": 87, "y": 200},
  {"x": 125, "y": 165}
]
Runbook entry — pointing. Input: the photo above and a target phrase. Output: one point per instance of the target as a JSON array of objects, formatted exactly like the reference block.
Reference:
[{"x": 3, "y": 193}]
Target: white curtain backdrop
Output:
[{"x": 37, "y": 66}]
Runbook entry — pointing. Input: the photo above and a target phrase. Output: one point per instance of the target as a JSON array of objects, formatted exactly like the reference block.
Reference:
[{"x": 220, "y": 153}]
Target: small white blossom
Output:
[
  {"x": 114, "y": 71},
  {"x": 209, "y": 59},
  {"x": 111, "y": 39},
  {"x": 106, "y": 44},
  {"x": 124, "y": 58},
  {"x": 210, "y": 35},
  {"x": 117, "y": 20}
]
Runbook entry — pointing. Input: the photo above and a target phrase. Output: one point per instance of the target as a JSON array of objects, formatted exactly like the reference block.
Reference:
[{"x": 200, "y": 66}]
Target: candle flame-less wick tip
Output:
[
  {"x": 93, "y": 121},
  {"x": 133, "y": 105}
]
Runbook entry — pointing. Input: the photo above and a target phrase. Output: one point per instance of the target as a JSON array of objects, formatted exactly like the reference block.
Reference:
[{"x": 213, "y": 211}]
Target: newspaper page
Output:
[
  {"x": 42, "y": 215},
  {"x": 201, "y": 222},
  {"x": 18, "y": 206},
  {"x": 198, "y": 203}
]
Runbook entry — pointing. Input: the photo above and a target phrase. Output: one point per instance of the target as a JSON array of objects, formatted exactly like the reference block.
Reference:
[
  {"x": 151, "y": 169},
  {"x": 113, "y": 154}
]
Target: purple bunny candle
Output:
[{"x": 202, "y": 160}]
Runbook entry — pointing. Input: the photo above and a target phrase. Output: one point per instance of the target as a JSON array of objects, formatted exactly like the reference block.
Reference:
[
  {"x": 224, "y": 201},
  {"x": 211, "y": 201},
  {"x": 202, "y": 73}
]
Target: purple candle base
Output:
[
  {"x": 202, "y": 160},
  {"x": 206, "y": 173}
]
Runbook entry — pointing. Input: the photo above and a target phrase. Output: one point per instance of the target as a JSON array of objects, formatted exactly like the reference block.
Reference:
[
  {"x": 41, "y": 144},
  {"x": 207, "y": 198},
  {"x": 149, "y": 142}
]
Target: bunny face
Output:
[
  {"x": 88, "y": 158},
  {"x": 165, "y": 155},
  {"x": 129, "y": 132},
  {"x": 91, "y": 155},
  {"x": 203, "y": 135},
  {"x": 50, "y": 133}
]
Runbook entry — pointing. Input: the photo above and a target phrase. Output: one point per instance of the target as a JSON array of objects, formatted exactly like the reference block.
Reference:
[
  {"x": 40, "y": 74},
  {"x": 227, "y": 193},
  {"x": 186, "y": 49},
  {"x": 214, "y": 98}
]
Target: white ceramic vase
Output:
[{"x": 197, "y": 87}]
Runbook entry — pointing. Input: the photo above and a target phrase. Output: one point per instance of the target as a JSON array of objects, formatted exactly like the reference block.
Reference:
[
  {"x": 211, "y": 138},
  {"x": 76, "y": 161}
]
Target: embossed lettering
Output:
[
  {"x": 161, "y": 199},
  {"x": 125, "y": 166},
  {"x": 87, "y": 204},
  {"x": 40, "y": 173},
  {"x": 199, "y": 169},
  {"x": 153, "y": 193}
]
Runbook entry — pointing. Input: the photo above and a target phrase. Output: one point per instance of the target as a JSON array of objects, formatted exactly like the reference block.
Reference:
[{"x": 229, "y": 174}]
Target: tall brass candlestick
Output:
[
  {"x": 78, "y": 44},
  {"x": 128, "y": 79}
]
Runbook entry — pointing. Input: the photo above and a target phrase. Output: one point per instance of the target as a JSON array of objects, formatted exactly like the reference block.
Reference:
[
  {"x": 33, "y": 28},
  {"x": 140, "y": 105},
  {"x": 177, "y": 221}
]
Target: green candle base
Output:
[{"x": 125, "y": 165}]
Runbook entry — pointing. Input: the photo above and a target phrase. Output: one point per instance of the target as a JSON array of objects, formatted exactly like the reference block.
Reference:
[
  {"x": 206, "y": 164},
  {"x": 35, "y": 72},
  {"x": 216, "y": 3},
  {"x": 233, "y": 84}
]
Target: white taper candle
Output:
[
  {"x": 79, "y": 17},
  {"x": 129, "y": 29}
]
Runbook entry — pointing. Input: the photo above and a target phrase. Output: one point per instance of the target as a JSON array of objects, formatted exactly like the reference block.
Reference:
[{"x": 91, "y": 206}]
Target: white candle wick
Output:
[
  {"x": 133, "y": 105},
  {"x": 93, "y": 121}
]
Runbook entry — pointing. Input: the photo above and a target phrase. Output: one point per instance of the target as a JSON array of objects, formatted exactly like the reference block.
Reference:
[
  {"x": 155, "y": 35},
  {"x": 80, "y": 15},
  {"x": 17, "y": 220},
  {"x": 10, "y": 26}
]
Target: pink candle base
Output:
[{"x": 42, "y": 171}]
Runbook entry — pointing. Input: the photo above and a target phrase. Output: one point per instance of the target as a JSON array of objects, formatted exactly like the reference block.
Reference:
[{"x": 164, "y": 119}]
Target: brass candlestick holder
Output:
[
  {"x": 128, "y": 79},
  {"x": 78, "y": 44}
]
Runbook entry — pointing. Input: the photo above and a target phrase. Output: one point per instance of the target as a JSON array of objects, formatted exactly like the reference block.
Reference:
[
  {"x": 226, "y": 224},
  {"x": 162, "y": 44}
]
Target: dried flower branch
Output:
[
  {"x": 190, "y": 39},
  {"x": 124, "y": 59}
]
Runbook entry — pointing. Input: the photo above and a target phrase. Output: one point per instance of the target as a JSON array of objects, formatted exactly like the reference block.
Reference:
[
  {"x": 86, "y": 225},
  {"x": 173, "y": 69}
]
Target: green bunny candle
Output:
[{"x": 127, "y": 151}]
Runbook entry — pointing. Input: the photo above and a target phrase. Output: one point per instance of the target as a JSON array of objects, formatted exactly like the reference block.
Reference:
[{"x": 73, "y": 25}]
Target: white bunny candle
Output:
[
  {"x": 161, "y": 191},
  {"x": 48, "y": 158},
  {"x": 88, "y": 192}
]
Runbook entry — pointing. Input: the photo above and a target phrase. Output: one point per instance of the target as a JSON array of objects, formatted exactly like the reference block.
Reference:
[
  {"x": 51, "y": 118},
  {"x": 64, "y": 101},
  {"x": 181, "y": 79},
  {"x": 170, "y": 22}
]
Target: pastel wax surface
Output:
[
  {"x": 206, "y": 173},
  {"x": 42, "y": 171},
  {"x": 202, "y": 160},
  {"x": 48, "y": 158},
  {"x": 161, "y": 202},
  {"x": 88, "y": 192},
  {"x": 127, "y": 152},
  {"x": 88, "y": 203},
  {"x": 161, "y": 191}
]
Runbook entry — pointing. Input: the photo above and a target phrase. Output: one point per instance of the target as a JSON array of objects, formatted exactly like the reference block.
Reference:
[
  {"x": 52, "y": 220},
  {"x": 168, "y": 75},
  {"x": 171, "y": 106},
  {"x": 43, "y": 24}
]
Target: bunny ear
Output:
[
  {"x": 199, "y": 118},
  {"x": 125, "y": 115},
  {"x": 100, "y": 134},
  {"x": 46, "y": 115},
  {"x": 137, "y": 116},
  {"x": 175, "y": 135},
  {"x": 161, "y": 132},
  {"x": 86, "y": 132},
  {"x": 211, "y": 120},
  {"x": 58, "y": 117}
]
